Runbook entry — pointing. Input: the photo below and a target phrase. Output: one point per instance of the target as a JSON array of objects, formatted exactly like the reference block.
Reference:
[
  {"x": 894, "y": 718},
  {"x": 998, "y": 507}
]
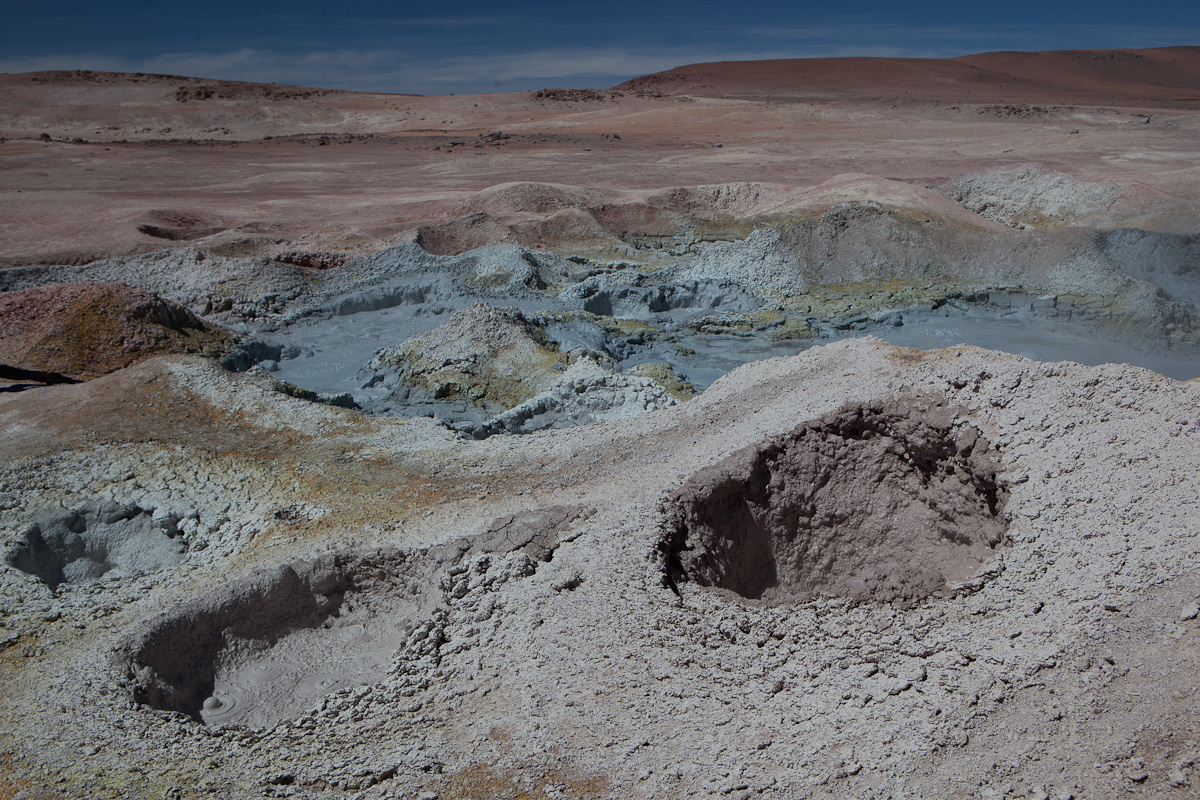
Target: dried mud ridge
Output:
[
  {"x": 267, "y": 647},
  {"x": 889, "y": 501}
]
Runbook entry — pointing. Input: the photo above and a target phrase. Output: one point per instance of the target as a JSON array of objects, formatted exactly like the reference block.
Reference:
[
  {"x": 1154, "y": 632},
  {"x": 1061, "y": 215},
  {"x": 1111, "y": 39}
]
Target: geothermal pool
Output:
[{"x": 326, "y": 355}]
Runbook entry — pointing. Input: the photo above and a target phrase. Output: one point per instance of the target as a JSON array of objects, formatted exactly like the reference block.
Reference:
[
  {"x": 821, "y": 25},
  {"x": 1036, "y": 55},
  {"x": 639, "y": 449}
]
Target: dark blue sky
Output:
[{"x": 476, "y": 46}]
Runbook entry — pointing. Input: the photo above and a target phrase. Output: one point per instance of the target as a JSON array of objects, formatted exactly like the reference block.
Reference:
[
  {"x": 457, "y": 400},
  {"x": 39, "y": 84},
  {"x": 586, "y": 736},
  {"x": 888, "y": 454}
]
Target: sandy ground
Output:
[{"x": 351, "y": 172}]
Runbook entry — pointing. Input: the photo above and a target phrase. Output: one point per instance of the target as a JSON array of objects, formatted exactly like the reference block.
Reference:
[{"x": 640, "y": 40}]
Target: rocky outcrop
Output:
[
  {"x": 489, "y": 357},
  {"x": 83, "y": 330}
]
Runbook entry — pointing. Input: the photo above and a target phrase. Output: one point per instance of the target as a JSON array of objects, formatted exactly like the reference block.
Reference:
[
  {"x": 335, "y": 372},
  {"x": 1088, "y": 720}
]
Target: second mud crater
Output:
[{"x": 885, "y": 501}]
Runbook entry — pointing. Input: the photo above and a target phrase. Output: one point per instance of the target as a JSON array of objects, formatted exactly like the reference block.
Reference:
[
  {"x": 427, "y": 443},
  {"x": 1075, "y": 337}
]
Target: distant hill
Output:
[{"x": 1166, "y": 77}]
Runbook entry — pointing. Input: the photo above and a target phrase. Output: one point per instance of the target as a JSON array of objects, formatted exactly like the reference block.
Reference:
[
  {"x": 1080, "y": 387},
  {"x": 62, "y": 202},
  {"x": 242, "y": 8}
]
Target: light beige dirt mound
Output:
[
  {"x": 463, "y": 234},
  {"x": 574, "y": 219},
  {"x": 723, "y": 201},
  {"x": 483, "y": 355},
  {"x": 572, "y": 230},
  {"x": 1029, "y": 195},
  {"x": 912, "y": 201},
  {"x": 534, "y": 198}
]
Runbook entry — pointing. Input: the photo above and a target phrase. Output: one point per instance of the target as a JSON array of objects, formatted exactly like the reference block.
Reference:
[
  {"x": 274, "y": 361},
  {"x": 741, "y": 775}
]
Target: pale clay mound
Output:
[{"x": 521, "y": 628}]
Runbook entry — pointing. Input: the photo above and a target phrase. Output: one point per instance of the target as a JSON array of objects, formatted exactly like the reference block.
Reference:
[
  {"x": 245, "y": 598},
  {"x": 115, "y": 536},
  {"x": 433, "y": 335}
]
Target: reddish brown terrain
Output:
[
  {"x": 100, "y": 164},
  {"x": 1164, "y": 77},
  {"x": 83, "y": 330}
]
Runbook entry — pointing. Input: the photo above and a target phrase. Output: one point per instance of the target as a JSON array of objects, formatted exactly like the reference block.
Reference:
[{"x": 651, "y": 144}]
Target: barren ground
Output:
[
  {"x": 345, "y": 171},
  {"x": 859, "y": 571}
]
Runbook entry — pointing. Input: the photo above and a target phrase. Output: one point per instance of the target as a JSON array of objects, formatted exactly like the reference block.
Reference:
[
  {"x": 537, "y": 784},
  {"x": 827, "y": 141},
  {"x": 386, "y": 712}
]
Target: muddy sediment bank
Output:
[{"x": 394, "y": 333}]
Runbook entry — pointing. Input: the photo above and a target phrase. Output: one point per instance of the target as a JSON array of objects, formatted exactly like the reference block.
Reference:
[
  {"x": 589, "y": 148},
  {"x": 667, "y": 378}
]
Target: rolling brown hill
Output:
[{"x": 1167, "y": 77}]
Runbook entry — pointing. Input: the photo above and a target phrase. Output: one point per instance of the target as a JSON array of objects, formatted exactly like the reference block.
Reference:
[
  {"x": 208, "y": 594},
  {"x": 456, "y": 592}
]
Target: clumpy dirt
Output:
[
  {"x": 482, "y": 355},
  {"x": 885, "y": 501},
  {"x": 991, "y": 560}
]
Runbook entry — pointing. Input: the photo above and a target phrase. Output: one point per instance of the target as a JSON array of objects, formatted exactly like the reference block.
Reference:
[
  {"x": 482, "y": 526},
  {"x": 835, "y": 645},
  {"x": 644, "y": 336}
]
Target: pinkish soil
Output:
[{"x": 256, "y": 170}]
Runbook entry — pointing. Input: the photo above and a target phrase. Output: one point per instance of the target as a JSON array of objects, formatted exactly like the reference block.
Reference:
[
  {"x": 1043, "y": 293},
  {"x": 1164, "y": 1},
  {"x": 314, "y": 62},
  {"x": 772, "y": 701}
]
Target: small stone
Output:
[
  {"x": 1177, "y": 778},
  {"x": 1189, "y": 611},
  {"x": 427, "y": 795}
]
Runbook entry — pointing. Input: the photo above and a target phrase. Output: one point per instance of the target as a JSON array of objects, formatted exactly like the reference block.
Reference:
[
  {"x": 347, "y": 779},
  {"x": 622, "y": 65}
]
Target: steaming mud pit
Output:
[
  {"x": 266, "y": 648},
  {"x": 886, "y": 502}
]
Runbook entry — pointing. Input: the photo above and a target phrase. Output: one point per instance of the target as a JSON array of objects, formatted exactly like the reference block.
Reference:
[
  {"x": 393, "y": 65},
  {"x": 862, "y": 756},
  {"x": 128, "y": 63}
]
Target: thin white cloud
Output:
[
  {"x": 387, "y": 70},
  {"x": 949, "y": 40},
  {"x": 401, "y": 70}
]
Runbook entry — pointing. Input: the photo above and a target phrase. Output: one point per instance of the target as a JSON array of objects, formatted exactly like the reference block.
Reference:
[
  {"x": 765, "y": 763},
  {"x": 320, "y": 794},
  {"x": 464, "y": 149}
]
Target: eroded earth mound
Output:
[{"x": 82, "y": 330}]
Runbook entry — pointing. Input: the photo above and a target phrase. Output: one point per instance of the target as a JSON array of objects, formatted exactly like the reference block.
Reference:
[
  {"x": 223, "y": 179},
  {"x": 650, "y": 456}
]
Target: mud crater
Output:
[
  {"x": 891, "y": 501},
  {"x": 95, "y": 542},
  {"x": 265, "y": 648},
  {"x": 269, "y": 646}
]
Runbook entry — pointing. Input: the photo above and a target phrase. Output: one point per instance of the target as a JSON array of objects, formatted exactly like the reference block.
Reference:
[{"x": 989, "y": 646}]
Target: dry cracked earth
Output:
[{"x": 818, "y": 429}]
